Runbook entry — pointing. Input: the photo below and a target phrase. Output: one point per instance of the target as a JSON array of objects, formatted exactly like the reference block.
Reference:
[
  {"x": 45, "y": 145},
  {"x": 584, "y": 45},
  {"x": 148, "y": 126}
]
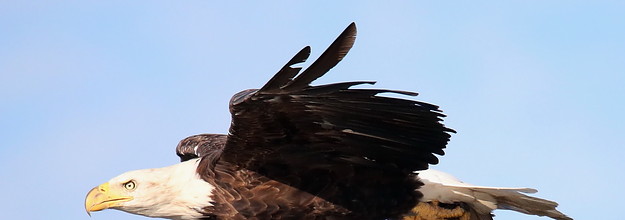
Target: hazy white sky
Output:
[{"x": 91, "y": 89}]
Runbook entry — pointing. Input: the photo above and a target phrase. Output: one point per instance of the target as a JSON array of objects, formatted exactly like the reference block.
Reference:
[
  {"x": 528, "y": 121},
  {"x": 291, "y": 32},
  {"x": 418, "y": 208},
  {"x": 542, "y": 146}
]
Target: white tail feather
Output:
[{"x": 447, "y": 189}]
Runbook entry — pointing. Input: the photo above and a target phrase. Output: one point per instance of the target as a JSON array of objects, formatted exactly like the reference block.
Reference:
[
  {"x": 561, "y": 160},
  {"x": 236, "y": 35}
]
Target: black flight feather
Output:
[{"x": 324, "y": 152}]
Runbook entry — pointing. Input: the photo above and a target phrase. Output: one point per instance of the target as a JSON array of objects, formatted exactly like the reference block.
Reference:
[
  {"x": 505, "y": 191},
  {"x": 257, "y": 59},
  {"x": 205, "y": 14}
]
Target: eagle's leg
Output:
[{"x": 436, "y": 211}]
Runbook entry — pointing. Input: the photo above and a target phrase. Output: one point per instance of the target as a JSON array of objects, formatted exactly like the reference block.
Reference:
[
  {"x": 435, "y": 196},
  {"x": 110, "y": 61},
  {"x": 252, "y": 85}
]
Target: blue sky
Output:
[{"x": 91, "y": 89}]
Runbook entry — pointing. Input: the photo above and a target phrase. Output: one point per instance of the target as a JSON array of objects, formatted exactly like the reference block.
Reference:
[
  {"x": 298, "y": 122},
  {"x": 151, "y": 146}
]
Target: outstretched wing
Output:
[
  {"x": 288, "y": 117},
  {"x": 349, "y": 146}
]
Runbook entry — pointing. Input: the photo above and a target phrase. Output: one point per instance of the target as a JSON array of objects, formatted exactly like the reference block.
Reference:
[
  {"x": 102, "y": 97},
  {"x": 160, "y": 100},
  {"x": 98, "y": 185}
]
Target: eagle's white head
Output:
[{"x": 174, "y": 192}]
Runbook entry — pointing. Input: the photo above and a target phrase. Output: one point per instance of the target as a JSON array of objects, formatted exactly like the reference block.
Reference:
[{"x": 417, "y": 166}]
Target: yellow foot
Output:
[{"x": 434, "y": 211}]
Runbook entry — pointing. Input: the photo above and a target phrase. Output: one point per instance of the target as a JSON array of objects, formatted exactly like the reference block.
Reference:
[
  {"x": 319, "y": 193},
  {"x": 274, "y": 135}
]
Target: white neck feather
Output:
[{"x": 177, "y": 192}]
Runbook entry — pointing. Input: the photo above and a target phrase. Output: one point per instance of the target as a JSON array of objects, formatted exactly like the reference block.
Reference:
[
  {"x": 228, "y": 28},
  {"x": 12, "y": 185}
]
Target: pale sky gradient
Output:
[{"x": 91, "y": 89}]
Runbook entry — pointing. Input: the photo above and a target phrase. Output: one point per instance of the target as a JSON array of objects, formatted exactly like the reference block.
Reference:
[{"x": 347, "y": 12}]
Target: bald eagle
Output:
[{"x": 297, "y": 151}]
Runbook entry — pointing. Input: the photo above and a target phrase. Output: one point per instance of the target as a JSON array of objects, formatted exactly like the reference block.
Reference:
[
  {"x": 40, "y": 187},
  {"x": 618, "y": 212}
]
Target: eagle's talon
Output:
[{"x": 433, "y": 211}]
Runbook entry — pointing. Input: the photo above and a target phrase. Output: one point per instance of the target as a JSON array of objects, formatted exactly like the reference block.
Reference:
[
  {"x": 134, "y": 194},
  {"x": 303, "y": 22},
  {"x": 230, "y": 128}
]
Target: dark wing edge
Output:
[
  {"x": 288, "y": 109},
  {"x": 328, "y": 59},
  {"x": 287, "y": 72},
  {"x": 200, "y": 145}
]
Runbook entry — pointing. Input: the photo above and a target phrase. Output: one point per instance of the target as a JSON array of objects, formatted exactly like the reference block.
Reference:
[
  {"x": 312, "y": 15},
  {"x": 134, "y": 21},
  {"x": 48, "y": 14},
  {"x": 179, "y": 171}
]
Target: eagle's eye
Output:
[{"x": 130, "y": 185}]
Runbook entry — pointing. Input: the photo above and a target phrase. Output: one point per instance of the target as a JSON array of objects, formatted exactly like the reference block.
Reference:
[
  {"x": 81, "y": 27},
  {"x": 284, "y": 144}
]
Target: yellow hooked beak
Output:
[{"x": 101, "y": 197}]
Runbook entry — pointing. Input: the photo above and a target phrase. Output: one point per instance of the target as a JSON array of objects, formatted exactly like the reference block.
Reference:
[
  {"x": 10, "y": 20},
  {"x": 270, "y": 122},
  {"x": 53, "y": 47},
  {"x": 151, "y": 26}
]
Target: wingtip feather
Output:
[{"x": 328, "y": 59}]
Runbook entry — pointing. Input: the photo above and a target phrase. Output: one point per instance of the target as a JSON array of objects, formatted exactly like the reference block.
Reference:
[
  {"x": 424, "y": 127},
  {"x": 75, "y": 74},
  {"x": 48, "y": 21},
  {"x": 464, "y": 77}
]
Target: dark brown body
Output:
[{"x": 296, "y": 193}]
